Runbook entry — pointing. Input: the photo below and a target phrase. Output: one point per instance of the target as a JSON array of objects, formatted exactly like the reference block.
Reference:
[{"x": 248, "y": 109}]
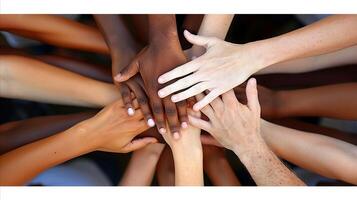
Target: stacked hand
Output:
[
  {"x": 154, "y": 60},
  {"x": 223, "y": 66}
]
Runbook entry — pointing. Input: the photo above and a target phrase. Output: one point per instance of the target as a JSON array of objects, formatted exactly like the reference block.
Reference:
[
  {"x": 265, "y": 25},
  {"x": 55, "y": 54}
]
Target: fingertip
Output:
[
  {"x": 184, "y": 125},
  {"x": 162, "y": 130},
  {"x": 161, "y": 80},
  {"x": 176, "y": 135},
  {"x": 131, "y": 111},
  {"x": 118, "y": 77},
  {"x": 151, "y": 122},
  {"x": 161, "y": 94}
]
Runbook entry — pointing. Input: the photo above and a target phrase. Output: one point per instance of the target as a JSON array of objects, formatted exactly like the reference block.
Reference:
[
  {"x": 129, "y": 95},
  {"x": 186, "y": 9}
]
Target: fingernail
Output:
[
  {"x": 174, "y": 98},
  {"x": 162, "y": 130},
  {"x": 195, "y": 108},
  {"x": 151, "y": 122},
  {"x": 117, "y": 77},
  {"x": 184, "y": 125},
  {"x": 160, "y": 93},
  {"x": 130, "y": 111},
  {"x": 176, "y": 136},
  {"x": 160, "y": 80}
]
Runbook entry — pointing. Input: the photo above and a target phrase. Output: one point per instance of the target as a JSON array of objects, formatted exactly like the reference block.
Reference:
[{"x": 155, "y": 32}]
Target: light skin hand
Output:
[
  {"x": 237, "y": 127},
  {"x": 223, "y": 66}
]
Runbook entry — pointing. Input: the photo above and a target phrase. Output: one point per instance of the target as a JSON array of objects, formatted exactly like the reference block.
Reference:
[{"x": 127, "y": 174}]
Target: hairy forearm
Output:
[
  {"x": 338, "y": 58},
  {"x": 22, "y": 164},
  {"x": 265, "y": 167},
  {"x": 321, "y": 154},
  {"x": 19, "y": 133},
  {"x": 320, "y": 101},
  {"x": 25, "y": 78},
  {"x": 322, "y": 37},
  {"x": 55, "y": 30}
]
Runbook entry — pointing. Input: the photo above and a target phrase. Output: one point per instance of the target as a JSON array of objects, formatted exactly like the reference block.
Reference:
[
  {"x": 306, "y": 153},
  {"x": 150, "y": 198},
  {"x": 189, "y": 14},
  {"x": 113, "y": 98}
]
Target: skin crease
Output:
[
  {"x": 232, "y": 64},
  {"x": 55, "y": 30},
  {"x": 187, "y": 155},
  {"x": 142, "y": 165},
  {"x": 161, "y": 55},
  {"x": 237, "y": 127},
  {"x": 316, "y": 101},
  {"x": 123, "y": 49},
  {"x": 110, "y": 130},
  {"x": 313, "y": 152}
]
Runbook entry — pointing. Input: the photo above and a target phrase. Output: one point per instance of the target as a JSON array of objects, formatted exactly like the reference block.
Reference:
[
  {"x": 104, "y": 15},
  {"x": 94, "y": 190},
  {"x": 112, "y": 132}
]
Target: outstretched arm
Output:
[
  {"x": 55, "y": 30},
  {"x": 228, "y": 65},
  {"x": 318, "y": 153},
  {"x": 110, "y": 130},
  {"x": 338, "y": 58},
  {"x": 142, "y": 165},
  {"x": 19, "y": 133},
  {"x": 29, "y": 79}
]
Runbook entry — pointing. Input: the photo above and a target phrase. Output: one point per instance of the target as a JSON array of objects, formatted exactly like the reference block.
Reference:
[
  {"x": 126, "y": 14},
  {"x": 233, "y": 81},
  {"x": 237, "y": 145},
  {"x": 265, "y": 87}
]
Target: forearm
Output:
[
  {"x": 188, "y": 167},
  {"x": 319, "y": 101},
  {"x": 19, "y": 133},
  {"x": 338, "y": 58},
  {"x": 213, "y": 25},
  {"x": 324, "y": 36},
  {"x": 265, "y": 168},
  {"x": 141, "y": 167},
  {"x": 221, "y": 173},
  {"x": 317, "y": 153},
  {"x": 25, "y": 78},
  {"x": 21, "y": 165},
  {"x": 55, "y": 30},
  {"x": 162, "y": 27}
]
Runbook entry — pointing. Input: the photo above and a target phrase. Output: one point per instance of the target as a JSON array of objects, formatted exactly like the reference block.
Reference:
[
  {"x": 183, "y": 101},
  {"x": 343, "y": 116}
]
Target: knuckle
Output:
[
  {"x": 157, "y": 109},
  {"x": 171, "y": 111},
  {"x": 142, "y": 100}
]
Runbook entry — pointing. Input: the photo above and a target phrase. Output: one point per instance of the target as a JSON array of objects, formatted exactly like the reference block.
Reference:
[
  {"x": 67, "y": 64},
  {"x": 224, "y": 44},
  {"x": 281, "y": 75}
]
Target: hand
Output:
[
  {"x": 223, "y": 67},
  {"x": 113, "y": 130},
  {"x": 190, "y": 137},
  {"x": 152, "y": 61},
  {"x": 269, "y": 100},
  {"x": 233, "y": 124}
]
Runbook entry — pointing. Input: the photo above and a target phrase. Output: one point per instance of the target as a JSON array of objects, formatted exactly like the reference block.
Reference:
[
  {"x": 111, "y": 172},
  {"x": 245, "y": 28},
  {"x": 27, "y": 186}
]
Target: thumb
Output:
[
  {"x": 197, "y": 40},
  {"x": 128, "y": 71},
  {"x": 138, "y": 144}
]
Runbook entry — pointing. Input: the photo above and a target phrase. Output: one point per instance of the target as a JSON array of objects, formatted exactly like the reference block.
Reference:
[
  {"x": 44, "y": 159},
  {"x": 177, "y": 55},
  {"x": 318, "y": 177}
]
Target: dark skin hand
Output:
[
  {"x": 161, "y": 55},
  {"x": 123, "y": 48}
]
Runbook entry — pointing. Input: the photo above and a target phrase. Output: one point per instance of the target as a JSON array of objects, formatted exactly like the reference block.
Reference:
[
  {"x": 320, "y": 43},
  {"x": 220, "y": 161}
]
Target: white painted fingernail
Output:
[
  {"x": 162, "y": 130},
  {"x": 176, "y": 136},
  {"x": 131, "y": 111},
  {"x": 151, "y": 122},
  {"x": 160, "y": 93},
  {"x": 174, "y": 98},
  {"x": 184, "y": 125},
  {"x": 160, "y": 80}
]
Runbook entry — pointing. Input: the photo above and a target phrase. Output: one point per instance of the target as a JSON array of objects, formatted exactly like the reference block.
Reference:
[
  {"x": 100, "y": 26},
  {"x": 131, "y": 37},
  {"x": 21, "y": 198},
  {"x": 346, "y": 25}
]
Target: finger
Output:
[
  {"x": 126, "y": 96},
  {"x": 217, "y": 104},
  {"x": 128, "y": 71},
  {"x": 182, "y": 113},
  {"x": 158, "y": 112},
  {"x": 177, "y": 86},
  {"x": 197, "y": 40},
  {"x": 209, "y": 140},
  {"x": 252, "y": 95},
  {"x": 207, "y": 110},
  {"x": 179, "y": 71},
  {"x": 143, "y": 103},
  {"x": 199, "y": 123},
  {"x": 190, "y": 92},
  {"x": 206, "y": 100},
  {"x": 138, "y": 144},
  {"x": 172, "y": 117},
  {"x": 229, "y": 98}
]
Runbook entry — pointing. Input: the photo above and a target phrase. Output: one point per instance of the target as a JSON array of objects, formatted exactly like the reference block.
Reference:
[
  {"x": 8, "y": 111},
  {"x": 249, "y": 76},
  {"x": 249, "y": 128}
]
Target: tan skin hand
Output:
[{"x": 114, "y": 130}]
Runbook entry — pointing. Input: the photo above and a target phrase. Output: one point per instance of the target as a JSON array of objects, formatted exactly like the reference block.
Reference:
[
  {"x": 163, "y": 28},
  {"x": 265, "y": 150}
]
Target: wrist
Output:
[
  {"x": 248, "y": 145},
  {"x": 83, "y": 136}
]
